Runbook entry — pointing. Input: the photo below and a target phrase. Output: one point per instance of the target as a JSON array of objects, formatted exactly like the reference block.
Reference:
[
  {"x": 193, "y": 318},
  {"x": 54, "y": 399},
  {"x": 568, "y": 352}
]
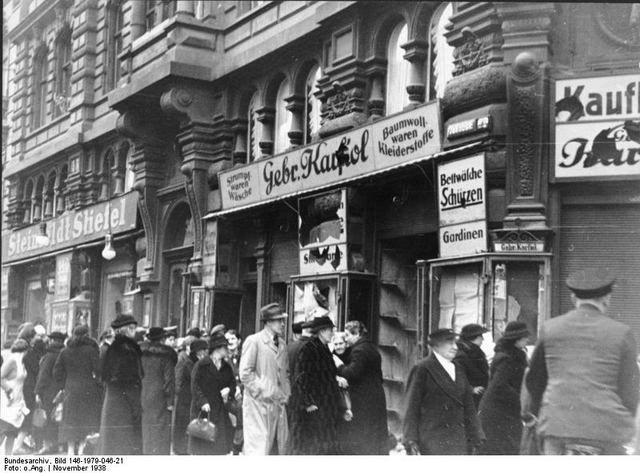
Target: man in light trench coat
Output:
[{"x": 264, "y": 369}]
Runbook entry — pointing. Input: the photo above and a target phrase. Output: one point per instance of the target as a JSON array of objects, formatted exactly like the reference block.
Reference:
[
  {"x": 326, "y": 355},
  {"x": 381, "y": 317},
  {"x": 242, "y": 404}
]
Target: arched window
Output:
[
  {"x": 62, "y": 95},
  {"x": 253, "y": 149},
  {"x": 129, "y": 175},
  {"x": 61, "y": 200},
  {"x": 440, "y": 60},
  {"x": 40, "y": 81},
  {"x": 282, "y": 121},
  {"x": 36, "y": 200},
  {"x": 397, "y": 71},
  {"x": 114, "y": 44},
  {"x": 106, "y": 182},
  {"x": 312, "y": 106},
  {"x": 49, "y": 195},
  {"x": 26, "y": 201}
]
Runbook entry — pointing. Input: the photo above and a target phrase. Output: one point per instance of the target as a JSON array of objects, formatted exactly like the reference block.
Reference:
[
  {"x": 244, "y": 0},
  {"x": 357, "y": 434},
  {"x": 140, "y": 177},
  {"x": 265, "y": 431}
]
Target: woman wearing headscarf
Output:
[
  {"x": 367, "y": 433},
  {"x": 500, "y": 406},
  {"x": 12, "y": 404},
  {"x": 47, "y": 387},
  {"x": 212, "y": 382},
  {"x": 77, "y": 369},
  {"x": 197, "y": 350}
]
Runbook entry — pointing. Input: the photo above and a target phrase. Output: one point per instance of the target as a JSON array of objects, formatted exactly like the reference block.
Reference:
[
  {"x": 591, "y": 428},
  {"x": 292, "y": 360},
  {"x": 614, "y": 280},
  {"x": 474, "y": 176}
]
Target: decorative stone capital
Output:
[{"x": 474, "y": 89}]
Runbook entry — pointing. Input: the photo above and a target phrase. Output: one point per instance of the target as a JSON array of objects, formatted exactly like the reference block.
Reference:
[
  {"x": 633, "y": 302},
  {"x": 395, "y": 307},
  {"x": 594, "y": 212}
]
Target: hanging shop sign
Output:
[
  {"x": 462, "y": 207},
  {"x": 597, "y": 128},
  {"x": 72, "y": 228},
  {"x": 386, "y": 143},
  {"x": 210, "y": 253}
]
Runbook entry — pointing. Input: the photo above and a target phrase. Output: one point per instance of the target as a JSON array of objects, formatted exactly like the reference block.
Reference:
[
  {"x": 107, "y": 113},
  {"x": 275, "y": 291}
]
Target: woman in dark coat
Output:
[
  {"x": 366, "y": 433},
  {"x": 315, "y": 403},
  {"x": 182, "y": 407},
  {"x": 440, "y": 417},
  {"x": 212, "y": 382},
  {"x": 500, "y": 406},
  {"x": 158, "y": 386},
  {"x": 120, "y": 423},
  {"x": 472, "y": 359},
  {"x": 46, "y": 389},
  {"x": 77, "y": 368}
]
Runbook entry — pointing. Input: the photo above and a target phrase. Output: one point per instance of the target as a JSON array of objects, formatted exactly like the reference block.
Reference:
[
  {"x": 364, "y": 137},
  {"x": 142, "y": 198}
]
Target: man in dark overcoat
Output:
[
  {"x": 367, "y": 432},
  {"x": 121, "y": 371},
  {"x": 472, "y": 359},
  {"x": 315, "y": 400},
  {"x": 46, "y": 389},
  {"x": 158, "y": 387},
  {"x": 182, "y": 407},
  {"x": 440, "y": 417},
  {"x": 583, "y": 377}
]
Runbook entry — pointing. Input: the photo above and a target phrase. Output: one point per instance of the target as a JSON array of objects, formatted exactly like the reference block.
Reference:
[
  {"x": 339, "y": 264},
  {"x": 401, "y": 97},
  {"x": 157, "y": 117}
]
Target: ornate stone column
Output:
[
  {"x": 295, "y": 104},
  {"x": 416, "y": 54},
  {"x": 266, "y": 116}
]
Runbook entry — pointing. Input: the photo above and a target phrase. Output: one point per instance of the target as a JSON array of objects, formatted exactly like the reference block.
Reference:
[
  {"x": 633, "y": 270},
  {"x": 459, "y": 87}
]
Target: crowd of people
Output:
[{"x": 144, "y": 392}]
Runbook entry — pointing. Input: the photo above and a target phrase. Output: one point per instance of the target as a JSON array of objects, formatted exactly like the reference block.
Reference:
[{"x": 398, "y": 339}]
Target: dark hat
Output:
[
  {"x": 217, "y": 340},
  {"x": 441, "y": 335},
  {"x": 306, "y": 324},
  {"x": 297, "y": 327},
  {"x": 591, "y": 283},
  {"x": 218, "y": 328},
  {"x": 58, "y": 336},
  {"x": 515, "y": 330},
  {"x": 323, "y": 322},
  {"x": 272, "y": 311},
  {"x": 194, "y": 332},
  {"x": 80, "y": 330},
  {"x": 156, "y": 333},
  {"x": 197, "y": 345},
  {"x": 123, "y": 320},
  {"x": 471, "y": 331}
]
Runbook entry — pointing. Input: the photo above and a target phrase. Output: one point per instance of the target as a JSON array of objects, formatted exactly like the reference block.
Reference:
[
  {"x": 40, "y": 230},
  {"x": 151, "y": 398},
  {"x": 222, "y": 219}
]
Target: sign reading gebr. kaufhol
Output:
[
  {"x": 383, "y": 144},
  {"x": 462, "y": 206},
  {"x": 72, "y": 228},
  {"x": 597, "y": 128}
]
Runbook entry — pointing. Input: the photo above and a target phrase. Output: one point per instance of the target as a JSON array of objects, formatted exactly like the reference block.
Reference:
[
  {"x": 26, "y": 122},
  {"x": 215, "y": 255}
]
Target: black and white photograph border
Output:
[{"x": 319, "y": 228}]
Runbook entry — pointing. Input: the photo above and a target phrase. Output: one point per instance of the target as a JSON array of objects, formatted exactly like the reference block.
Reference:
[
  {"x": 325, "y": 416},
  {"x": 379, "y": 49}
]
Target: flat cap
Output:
[
  {"x": 123, "y": 320},
  {"x": 440, "y": 335},
  {"x": 272, "y": 311},
  {"x": 591, "y": 283}
]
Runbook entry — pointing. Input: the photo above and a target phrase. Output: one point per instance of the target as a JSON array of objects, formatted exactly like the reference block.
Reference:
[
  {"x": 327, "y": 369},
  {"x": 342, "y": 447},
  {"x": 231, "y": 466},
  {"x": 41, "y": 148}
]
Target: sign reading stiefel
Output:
[
  {"x": 597, "y": 128},
  {"x": 462, "y": 207}
]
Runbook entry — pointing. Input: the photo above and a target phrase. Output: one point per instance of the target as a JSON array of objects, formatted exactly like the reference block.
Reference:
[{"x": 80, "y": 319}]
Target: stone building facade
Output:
[{"x": 407, "y": 164}]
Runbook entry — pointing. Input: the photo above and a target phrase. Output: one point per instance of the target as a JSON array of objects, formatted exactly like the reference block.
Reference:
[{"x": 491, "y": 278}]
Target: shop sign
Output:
[
  {"x": 72, "y": 228},
  {"x": 518, "y": 242},
  {"x": 209, "y": 254},
  {"x": 323, "y": 259},
  {"x": 463, "y": 239},
  {"x": 59, "y": 317},
  {"x": 597, "y": 128},
  {"x": 398, "y": 139},
  {"x": 63, "y": 276},
  {"x": 462, "y": 206},
  {"x": 4, "y": 282},
  {"x": 468, "y": 127}
]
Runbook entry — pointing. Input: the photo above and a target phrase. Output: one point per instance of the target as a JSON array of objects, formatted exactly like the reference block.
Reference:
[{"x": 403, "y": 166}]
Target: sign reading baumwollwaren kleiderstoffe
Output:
[
  {"x": 597, "y": 128},
  {"x": 388, "y": 142},
  {"x": 462, "y": 206}
]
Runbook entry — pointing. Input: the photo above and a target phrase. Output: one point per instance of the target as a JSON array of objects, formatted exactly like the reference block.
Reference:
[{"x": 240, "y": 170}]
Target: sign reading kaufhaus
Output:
[
  {"x": 383, "y": 144},
  {"x": 462, "y": 207},
  {"x": 598, "y": 128},
  {"x": 73, "y": 228}
]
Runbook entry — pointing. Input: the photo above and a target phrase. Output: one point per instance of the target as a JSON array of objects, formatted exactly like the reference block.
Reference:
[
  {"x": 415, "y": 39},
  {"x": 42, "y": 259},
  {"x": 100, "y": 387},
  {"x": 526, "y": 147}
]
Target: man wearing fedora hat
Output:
[
  {"x": 472, "y": 359},
  {"x": 158, "y": 387},
  {"x": 121, "y": 372},
  {"x": 440, "y": 417},
  {"x": 264, "y": 373},
  {"x": 583, "y": 377}
]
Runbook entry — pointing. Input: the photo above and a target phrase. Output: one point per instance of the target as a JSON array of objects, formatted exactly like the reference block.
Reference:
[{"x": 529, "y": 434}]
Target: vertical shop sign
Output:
[
  {"x": 5, "y": 288},
  {"x": 63, "y": 276},
  {"x": 209, "y": 255},
  {"x": 462, "y": 207}
]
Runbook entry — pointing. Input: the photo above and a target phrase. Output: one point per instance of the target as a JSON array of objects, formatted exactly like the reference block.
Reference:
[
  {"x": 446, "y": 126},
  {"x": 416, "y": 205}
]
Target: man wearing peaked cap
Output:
[
  {"x": 440, "y": 417},
  {"x": 583, "y": 378},
  {"x": 264, "y": 368}
]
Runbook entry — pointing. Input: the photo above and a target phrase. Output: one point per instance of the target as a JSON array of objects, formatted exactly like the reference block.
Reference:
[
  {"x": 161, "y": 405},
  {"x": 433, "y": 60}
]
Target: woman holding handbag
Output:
[{"x": 212, "y": 382}]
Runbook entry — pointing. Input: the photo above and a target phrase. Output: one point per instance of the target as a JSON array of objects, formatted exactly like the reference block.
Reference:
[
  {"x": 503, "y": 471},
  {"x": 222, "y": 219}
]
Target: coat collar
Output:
[
  {"x": 442, "y": 378},
  {"x": 267, "y": 339}
]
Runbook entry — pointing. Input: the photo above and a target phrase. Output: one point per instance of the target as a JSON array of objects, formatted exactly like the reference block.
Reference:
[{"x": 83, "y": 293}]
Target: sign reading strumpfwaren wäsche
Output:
[{"x": 386, "y": 143}]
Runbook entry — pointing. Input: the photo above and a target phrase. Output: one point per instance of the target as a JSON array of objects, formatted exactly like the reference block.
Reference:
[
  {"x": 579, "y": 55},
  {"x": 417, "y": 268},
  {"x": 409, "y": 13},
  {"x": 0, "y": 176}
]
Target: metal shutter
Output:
[{"x": 608, "y": 236}]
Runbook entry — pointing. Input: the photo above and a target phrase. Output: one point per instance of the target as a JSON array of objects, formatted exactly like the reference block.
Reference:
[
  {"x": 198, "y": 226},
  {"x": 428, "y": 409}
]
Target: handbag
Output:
[
  {"x": 202, "y": 428},
  {"x": 56, "y": 413},
  {"x": 39, "y": 418}
]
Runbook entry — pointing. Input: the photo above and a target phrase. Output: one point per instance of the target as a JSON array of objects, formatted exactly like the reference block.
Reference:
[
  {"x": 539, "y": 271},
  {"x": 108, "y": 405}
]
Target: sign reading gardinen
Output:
[
  {"x": 597, "y": 128},
  {"x": 72, "y": 228},
  {"x": 398, "y": 139}
]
